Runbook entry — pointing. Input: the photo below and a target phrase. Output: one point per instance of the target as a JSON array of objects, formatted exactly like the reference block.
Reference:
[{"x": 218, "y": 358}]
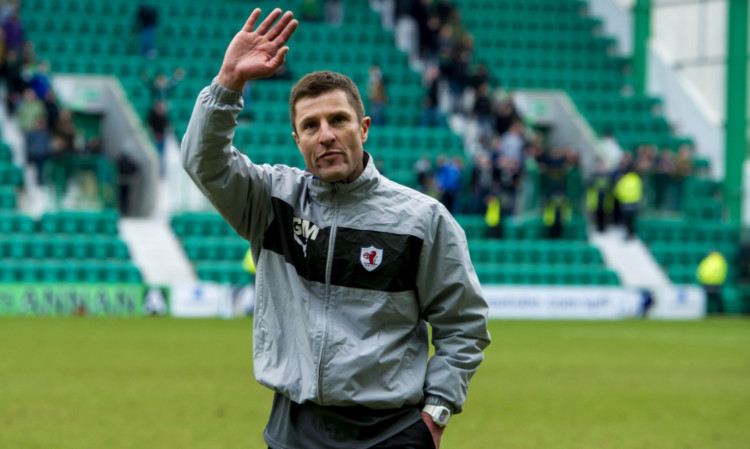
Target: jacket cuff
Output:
[
  {"x": 437, "y": 400},
  {"x": 224, "y": 95}
]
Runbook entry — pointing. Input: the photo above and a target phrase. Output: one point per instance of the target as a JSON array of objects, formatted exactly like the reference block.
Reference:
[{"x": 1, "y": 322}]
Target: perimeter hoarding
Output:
[{"x": 71, "y": 299}]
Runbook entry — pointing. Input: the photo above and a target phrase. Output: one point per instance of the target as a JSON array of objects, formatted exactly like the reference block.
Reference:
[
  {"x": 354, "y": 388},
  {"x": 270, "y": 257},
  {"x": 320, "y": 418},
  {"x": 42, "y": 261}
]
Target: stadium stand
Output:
[
  {"x": 213, "y": 247},
  {"x": 571, "y": 54},
  {"x": 69, "y": 246}
]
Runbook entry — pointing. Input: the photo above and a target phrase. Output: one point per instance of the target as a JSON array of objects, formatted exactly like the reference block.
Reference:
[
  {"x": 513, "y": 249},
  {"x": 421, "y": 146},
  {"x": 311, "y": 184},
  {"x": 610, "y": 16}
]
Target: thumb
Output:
[{"x": 280, "y": 57}]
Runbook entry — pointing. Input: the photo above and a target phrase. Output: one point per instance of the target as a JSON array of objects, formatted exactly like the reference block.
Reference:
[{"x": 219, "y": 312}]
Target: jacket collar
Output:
[{"x": 365, "y": 183}]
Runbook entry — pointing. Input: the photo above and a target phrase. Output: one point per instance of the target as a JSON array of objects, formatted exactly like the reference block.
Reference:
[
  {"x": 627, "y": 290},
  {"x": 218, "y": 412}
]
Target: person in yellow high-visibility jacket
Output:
[
  {"x": 712, "y": 273},
  {"x": 629, "y": 192},
  {"x": 557, "y": 213},
  {"x": 492, "y": 217},
  {"x": 247, "y": 263},
  {"x": 599, "y": 199}
]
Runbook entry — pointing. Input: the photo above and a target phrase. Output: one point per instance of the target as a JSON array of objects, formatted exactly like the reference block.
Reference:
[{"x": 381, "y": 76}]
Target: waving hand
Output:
[{"x": 257, "y": 54}]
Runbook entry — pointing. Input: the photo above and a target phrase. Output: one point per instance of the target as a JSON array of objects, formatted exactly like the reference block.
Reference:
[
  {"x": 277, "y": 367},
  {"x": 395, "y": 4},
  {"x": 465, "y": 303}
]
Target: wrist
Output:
[
  {"x": 439, "y": 414},
  {"x": 230, "y": 82}
]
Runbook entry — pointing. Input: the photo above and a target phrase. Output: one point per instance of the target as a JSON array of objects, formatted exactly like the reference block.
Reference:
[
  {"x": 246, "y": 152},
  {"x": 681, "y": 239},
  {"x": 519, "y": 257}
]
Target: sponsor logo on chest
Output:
[
  {"x": 370, "y": 257},
  {"x": 304, "y": 228}
]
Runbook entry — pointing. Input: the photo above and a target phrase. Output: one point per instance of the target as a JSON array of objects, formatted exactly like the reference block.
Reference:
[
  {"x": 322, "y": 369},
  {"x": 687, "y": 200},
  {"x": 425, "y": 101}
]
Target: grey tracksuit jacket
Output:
[{"x": 348, "y": 275}]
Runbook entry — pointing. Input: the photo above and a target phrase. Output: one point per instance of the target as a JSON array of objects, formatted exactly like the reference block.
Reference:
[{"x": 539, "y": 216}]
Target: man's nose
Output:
[{"x": 326, "y": 135}]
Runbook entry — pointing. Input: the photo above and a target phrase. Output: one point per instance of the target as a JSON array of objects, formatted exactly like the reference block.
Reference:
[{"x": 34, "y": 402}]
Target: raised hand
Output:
[{"x": 256, "y": 54}]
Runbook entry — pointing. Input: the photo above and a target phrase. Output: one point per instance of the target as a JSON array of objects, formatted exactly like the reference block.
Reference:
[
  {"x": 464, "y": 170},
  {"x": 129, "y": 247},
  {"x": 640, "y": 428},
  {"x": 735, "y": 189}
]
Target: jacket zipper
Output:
[{"x": 329, "y": 269}]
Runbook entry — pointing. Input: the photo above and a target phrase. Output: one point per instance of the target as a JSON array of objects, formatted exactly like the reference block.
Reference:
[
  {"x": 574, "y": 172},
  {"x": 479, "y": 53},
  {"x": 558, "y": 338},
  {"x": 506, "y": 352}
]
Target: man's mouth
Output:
[{"x": 326, "y": 155}]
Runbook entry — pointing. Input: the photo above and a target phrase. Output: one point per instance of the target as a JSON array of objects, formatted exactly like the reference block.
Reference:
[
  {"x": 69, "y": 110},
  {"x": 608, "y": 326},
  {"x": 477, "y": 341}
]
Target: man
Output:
[
  {"x": 712, "y": 273},
  {"x": 350, "y": 266}
]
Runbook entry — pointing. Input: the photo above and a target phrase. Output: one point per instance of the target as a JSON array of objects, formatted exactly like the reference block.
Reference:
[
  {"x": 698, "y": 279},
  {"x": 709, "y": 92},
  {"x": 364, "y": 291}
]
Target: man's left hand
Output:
[{"x": 435, "y": 430}]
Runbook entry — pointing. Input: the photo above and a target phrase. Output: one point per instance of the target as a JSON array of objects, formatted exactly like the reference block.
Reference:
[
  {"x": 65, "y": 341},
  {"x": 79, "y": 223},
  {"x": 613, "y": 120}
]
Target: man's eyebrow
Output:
[{"x": 336, "y": 112}]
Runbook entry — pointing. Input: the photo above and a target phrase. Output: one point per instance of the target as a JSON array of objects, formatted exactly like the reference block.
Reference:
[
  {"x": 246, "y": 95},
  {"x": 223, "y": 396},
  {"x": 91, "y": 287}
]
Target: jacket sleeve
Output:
[
  {"x": 239, "y": 189},
  {"x": 453, "y": 303}
]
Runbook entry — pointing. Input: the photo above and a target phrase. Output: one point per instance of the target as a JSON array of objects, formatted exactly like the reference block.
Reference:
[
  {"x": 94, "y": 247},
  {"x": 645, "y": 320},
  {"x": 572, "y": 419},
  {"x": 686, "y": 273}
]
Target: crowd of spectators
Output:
[
  {"x": 48, "y": 130},
  {"x": 432, "y": 31}
]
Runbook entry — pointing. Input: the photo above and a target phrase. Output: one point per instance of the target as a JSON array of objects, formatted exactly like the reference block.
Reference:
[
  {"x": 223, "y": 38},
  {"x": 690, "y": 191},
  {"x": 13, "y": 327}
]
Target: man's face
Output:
[{"x": 330, "y": 136}]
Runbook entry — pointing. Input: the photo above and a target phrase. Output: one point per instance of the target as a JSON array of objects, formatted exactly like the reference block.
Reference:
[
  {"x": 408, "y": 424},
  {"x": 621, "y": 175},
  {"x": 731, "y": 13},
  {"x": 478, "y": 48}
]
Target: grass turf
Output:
[{"x": 135, "y": 383}]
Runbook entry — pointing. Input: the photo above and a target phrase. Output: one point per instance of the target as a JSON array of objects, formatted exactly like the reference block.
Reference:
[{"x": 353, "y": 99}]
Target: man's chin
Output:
[{"x": 331, "y": 176}]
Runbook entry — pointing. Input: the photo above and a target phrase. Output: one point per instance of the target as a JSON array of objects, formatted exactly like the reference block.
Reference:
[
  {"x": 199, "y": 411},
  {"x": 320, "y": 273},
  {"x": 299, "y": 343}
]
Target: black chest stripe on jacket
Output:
[{"x": 392, "y": 270}]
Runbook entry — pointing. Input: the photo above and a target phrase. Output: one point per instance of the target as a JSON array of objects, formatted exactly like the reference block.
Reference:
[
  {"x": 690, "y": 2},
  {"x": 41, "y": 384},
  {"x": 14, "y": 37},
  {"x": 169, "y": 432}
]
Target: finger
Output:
[
  {"x": 280, "y": 25},
  {"x": 250, "y": 24},
  {"x": 266, "y": 25},
  {"x": 286, "y": 33},
  {"x": 280, "y": 57}
]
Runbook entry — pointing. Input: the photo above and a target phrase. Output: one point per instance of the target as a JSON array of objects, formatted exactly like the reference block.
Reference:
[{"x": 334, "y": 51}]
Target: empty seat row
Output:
[
  {"x": 685, "y": 232},
  {"x": 80, "y": 222},
  {"x": 227, "y": 273},
  {"x": 201, "y": 224},
  {"x": 7, "y": 198},
  {"x": 10, "y": 175},
  {"x": 512, "y": 253},
  {"x": 6, "y": 153},
  {"x": 216, "y": 249},
  {"x": 90, "y": 271},
  {"x": 545, "y": 275},
  {"x": 38, "y": 247}
]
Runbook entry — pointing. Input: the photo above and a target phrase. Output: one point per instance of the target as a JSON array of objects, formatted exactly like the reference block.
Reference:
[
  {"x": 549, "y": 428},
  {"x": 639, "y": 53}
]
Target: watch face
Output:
[{"x": 444, "y": 415}]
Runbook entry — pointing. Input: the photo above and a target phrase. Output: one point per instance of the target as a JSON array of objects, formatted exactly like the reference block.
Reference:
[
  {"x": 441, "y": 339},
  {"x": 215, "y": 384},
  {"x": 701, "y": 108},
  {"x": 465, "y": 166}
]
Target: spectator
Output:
[
  {"x": 93, "y": 146},
  {"x": 629, "y": 192},
  {"x": 482, "y": 182},
  {"x": 683, "y": 169},
  {"x": 507, "y": 179},
  {"x": 483, "y": 108},
  {"x": 40, "y": 80},
  {"x": 622, "y": 168},
  {"x": 424, "y": 173},
  {"x": 599, "y": 196},
  {"x": 431, "y": 115},
  {"x": 557, "y": 214},
  {"x": 448, "y": 180},
  {"x": 7, "y": 9},
  {"x": 146, "y": 24},
  {"x": 644, "y": 166},
  {"x": 160, "y": 86},
  {"x": 513, "y": 142},
  {"x": 159, "y": 123},
  {"x": 30, "y": 110},
  {"x": 2, "y": 53},
  {"x": 712, "y": 273},
  {"x": 16, "y": 84},
  {"x": 505, "y": 116},
  {"x": 664, "y": 171},
  {"x": 52, "y": 109},
  {"x": 38, "y": 146},
  {"x": 13, "y": 32},
  {"x": 66, "y": 131},
  {"x": 376, "y": 92},
  {"x": 334, "y": 12}
]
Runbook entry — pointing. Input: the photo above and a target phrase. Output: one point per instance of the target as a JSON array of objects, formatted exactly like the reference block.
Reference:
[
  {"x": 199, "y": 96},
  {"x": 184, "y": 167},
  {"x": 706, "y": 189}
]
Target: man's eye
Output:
[{"x": 309, "y": 125}]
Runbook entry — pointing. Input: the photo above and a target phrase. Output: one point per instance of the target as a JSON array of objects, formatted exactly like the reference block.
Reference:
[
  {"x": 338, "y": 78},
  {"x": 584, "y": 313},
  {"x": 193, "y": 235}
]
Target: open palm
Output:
[{"x": 257, "y": 54}]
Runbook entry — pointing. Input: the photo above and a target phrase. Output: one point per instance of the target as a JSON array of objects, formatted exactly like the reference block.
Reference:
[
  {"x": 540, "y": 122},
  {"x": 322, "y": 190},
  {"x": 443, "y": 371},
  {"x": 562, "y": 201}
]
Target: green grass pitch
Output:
[{"x": 168, "y": 383}]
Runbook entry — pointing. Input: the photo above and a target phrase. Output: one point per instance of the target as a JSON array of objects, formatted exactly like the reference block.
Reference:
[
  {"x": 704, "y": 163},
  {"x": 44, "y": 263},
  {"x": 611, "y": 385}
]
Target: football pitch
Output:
[{"x": 167, "y": 383}]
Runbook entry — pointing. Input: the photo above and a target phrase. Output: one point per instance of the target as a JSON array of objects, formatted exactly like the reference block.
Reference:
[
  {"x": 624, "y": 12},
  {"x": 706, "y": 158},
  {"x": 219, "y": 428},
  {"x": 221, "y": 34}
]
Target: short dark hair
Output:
[{"x": 316, "y": 83}]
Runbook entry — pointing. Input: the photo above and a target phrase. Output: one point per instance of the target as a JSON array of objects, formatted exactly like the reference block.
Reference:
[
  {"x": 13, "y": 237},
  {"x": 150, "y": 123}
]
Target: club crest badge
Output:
[{"x": 371, "y": 257}]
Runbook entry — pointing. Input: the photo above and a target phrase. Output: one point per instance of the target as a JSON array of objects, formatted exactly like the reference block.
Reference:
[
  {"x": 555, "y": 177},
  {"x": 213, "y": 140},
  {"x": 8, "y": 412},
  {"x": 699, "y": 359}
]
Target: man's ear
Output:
[
  {"x": 296, "y": 138},
  {"x": 365, "y": 128}
]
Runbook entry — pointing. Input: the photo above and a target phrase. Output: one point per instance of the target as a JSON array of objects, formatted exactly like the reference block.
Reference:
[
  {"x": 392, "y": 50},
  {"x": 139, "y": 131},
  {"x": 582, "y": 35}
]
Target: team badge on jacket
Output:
[{"x": 371, "y": 257}]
